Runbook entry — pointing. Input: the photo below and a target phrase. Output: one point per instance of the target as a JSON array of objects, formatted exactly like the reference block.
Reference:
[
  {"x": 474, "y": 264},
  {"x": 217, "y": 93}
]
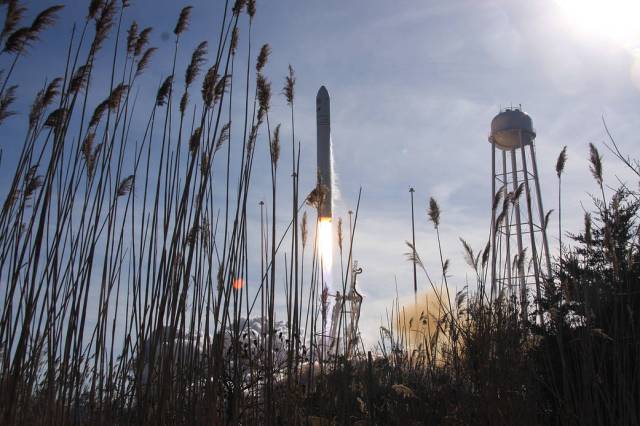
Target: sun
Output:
[{"x": 616, "y": 20}]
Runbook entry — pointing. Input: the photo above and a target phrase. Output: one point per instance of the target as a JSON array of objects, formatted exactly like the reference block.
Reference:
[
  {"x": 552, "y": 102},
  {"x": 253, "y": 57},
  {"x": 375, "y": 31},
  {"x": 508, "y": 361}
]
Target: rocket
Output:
[{"x": 325, "y": 172}]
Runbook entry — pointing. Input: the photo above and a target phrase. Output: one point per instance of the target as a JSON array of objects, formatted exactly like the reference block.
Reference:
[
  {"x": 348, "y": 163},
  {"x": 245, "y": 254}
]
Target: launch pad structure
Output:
[{"x": 343, "y": 335}]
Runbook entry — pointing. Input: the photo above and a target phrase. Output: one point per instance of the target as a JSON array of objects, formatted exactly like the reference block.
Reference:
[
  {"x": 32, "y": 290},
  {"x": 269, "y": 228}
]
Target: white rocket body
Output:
[{"x": 325, "y": 171}]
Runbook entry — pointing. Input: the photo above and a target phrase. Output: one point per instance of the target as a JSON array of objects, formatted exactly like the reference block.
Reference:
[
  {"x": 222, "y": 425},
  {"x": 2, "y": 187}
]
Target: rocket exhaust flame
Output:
[
  {"x": 325, "y": 245},
  {"x": 325, "y": 249}
]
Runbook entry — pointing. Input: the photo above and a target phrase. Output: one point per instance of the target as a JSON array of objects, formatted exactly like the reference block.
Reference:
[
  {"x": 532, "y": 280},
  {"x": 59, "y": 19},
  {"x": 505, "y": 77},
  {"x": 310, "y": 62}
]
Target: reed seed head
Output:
[
  {"x": 94, "y": 8},
  {"x": 289, "y": 86},
  {"x": 520, "y": 260},
  {"x": 221, "y": 87},
  {"x": 498, "y": 197},
  {"x": 56, "y": 118},
  {"x": 251, "y": 8},
  {"x": 587, "y": 228},
  {"x": 163, "y": 91},
  {"x": 434, "y": 212},
  {"x": 263, "y": 57},
  {"x": 205, "y": 163},
  {"x": 144, "y": 61},
  {"x": 79, "y": 79},
  {"x": 184, "y": 101},
  {"x": 19, "y": 40},
  {"x": 197, "y": 59},
  {"x": 142, "y": 40},
  {"x": 116, "y": 96},
  {"x": 51, "y": 92},
  {"x": 560, "y": 163},
  {"x": 499, "y": 219},
  {"x": 412, "y": 255},
  {"x": 595, "y": 161},
  {"x": 103, "y": 25},
  {"x": 36, "y": 109},
  {"x": 253, "y": 135},
  {"x": 183, "y": 20},
  {"x": 264, "y": 93},
  {"x": 469, "y": 256},
  {"x": 15, "y": 11},
  {"x": 223, "y": 137},
  {"x": 238, "y": 5},
  {"x": 194, "y": 141},
  {"x": 193, "y": 234},
  {"x": 485, "y": 254},
  {"x": 235, "y": 35},
  {"x": 88, "y": 153},
  {"x": 317, "y": 195},
  {"x": 125, "y": 186},
  {"x": 546, "y": 219},
  {"x": 132, "y": 37},
  {"x": 32, "y": 182},
  {"x": 98, "y": 113},
  {"x": 275, "y": 146},
  {"x": 45, "y": 19},
  {"x": 209, "y": 86},
  {"x": 6, "y": 99},
  {"x": 304, "y": 230},
  {"x": 515, "y": 196}
]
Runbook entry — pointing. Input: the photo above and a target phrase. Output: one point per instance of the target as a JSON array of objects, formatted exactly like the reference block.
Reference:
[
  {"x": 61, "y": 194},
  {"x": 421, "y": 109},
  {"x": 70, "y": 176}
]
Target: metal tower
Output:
[
  {"x": 344, "y": 336},
  {"x": 517, "y": 212}
]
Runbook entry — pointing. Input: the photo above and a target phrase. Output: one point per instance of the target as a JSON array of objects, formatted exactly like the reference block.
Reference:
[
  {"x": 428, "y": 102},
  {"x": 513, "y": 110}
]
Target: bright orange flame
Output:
[
  {"x": 325, "y": 242},
  {"x": 238, "y": 283}
]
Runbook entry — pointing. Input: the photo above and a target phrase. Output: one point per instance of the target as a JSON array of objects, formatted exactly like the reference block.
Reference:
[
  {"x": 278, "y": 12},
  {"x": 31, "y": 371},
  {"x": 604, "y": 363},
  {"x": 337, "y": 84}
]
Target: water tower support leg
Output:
[
  {"x": 493, "y": 221},
  {"x": 545, "y": 241},
  {"x": 507, "y": 228},
  {"x": 534, "y": 252},
  {"x": 516, "y": 206}
]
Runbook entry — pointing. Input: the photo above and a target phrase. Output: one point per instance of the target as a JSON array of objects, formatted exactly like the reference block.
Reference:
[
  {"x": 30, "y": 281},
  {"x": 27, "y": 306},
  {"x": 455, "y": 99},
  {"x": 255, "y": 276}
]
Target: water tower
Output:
[{"x": 517, "y": 214}]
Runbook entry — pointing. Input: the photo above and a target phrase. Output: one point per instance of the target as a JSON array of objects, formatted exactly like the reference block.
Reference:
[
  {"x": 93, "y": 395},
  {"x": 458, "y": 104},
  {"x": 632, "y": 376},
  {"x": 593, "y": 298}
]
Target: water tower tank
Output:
[{"x": 507, "y": 127}]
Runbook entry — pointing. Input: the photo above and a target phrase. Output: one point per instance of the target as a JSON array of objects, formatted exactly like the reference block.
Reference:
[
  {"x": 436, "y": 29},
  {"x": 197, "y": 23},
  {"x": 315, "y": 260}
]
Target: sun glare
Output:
[
  {"x": 616, "y": 20},
  {"x": 325, "y": 243}
]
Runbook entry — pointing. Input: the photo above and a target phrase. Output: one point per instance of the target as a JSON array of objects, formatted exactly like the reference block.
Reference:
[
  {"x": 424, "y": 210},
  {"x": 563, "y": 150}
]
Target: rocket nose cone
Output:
[{"x": 322, "y": 93}]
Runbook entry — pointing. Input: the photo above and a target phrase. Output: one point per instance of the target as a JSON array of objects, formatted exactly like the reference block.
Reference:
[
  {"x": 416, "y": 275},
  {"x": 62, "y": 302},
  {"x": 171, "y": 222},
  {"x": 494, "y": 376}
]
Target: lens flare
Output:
[
  {"x": 325, "y": 243},
  {"x": 238, "y": 283}
]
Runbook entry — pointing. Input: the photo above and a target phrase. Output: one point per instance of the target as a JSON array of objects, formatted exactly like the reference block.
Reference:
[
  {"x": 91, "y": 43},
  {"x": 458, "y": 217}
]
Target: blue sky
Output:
[{"x": 413, "y": 85}]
